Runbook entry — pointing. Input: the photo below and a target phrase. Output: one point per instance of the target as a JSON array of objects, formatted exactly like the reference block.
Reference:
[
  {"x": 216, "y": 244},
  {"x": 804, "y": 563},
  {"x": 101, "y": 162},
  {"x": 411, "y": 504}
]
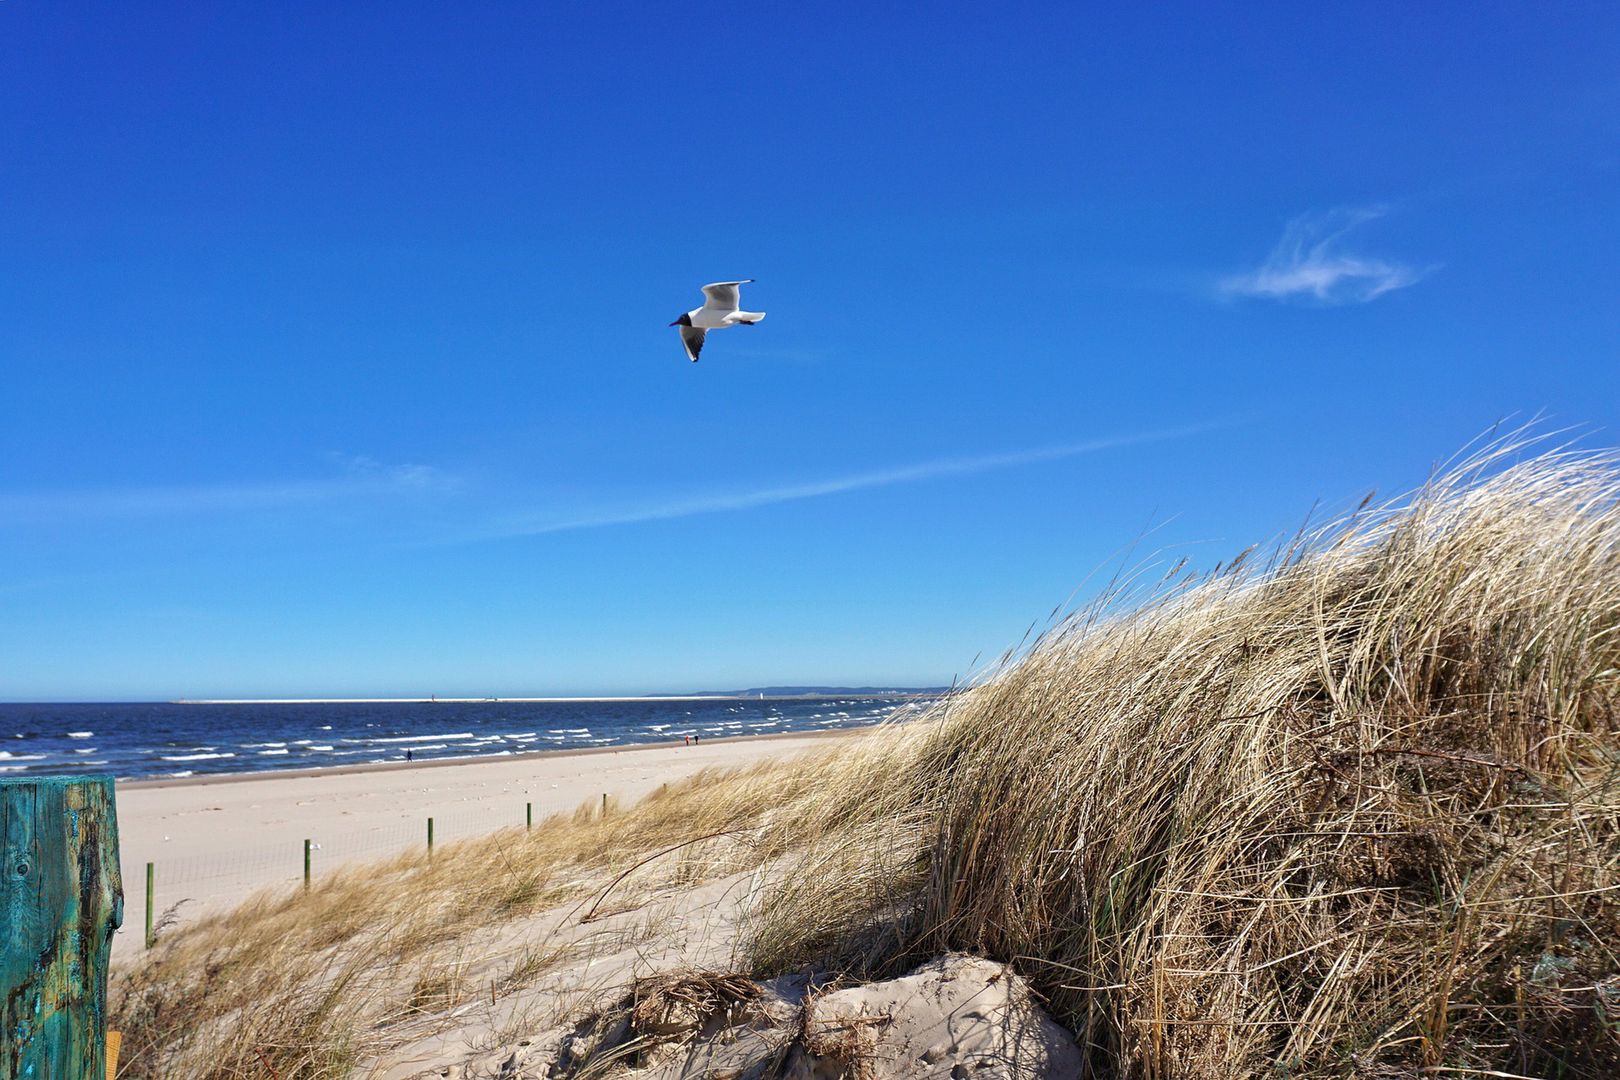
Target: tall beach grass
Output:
[{"x": 1349, "y": 809}]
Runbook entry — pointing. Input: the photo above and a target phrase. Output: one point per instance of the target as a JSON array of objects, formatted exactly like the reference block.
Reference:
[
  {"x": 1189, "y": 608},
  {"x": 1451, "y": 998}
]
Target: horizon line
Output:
[{"x": 724, "y": 695}]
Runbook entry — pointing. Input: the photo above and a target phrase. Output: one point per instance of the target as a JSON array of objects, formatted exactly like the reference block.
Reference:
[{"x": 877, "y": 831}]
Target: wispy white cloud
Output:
[
  {"x": 363, "y": 481},
  {"x": 355, "y": 478},
  {"x": 1310, "y": 261},
  {"x": 713, "y": 503},
  {"x": 368, "y": 471}
]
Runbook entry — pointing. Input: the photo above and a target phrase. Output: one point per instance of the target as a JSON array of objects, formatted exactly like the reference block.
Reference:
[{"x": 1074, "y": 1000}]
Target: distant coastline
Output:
[{"x": 768, "y": 693}]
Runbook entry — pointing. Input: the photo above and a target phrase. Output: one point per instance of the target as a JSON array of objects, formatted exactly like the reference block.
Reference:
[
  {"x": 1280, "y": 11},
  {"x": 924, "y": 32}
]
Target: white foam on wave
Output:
[
  {"x": 256, "y": 745},
  {"x": 312, "y": 747},
  {"x": 283, "y": 750},
  {"x": 195, "y": 757},
  {"x": 417, "y": 738},
  {"x": 80, "y": 734},
  {"x": 84, "y": 749},
  {"x": 6, "y": 755},
  {"x": 569, "y": 730},
  {"x": 181, "y": 773}
]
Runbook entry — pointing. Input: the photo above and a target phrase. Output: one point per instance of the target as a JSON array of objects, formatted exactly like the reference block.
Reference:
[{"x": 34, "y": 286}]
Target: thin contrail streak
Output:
[{"x": 815, "y": 489}]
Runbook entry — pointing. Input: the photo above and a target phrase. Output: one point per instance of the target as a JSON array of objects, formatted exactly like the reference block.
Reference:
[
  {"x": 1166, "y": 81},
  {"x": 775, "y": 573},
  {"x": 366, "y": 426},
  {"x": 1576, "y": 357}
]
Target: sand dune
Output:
[{"x": 216, "y": 839}]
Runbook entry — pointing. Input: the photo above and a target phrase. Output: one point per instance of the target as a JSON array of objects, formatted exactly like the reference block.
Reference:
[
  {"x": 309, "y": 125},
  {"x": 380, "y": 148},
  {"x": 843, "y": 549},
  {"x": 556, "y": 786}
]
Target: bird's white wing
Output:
[
  {"x": 722, "y": 295},
  {"x": 692, "y": 338}
]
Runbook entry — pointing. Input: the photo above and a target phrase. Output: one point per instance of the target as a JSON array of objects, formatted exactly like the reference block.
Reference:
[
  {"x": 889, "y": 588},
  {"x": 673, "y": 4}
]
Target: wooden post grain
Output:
[{"x": 61, "y": 898}]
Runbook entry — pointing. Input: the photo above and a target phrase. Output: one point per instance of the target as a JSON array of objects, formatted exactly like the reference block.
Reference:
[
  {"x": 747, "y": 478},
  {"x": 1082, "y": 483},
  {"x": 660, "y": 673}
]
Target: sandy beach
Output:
[{"x": 214, "y": 840}]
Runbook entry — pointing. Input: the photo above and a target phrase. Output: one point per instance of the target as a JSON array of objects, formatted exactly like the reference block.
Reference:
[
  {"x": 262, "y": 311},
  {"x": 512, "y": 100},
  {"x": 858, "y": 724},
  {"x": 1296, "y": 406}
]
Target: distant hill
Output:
[{"x": 821, "y": 691}]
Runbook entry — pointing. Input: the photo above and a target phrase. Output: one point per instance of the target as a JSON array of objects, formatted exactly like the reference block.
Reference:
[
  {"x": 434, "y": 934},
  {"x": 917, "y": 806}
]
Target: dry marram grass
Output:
[{"x": 1354, "y": 811}]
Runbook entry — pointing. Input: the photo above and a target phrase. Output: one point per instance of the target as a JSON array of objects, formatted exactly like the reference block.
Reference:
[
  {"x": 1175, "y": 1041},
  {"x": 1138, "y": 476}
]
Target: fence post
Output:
[
  {"x": 604, "y": 804},
  {"x": 528, "y": 815},
  {"x": 306, "y": 865},
  {"x": 61, "y": 898},
  {"x": 149, "y": 938},
  {"x": 430, "y": 836}
]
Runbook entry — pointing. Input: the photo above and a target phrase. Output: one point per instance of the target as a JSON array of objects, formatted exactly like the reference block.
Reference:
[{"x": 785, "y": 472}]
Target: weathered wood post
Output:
[{"x": 61, "y": 898}]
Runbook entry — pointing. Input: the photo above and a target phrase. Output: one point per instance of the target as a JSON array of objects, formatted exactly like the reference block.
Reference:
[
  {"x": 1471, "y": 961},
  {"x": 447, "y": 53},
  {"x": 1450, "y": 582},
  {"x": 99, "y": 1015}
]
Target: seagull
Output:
[{"x": 719, "y": 311}]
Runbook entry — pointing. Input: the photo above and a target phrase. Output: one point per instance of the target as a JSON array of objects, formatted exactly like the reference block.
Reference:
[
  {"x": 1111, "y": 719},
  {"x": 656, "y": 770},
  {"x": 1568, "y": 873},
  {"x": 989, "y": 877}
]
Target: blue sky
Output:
[{"x": 335, "y": 353}]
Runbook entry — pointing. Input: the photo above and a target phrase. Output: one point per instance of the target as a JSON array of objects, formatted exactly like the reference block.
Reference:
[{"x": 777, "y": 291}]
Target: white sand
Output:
[{"x": 215, "y": 840}]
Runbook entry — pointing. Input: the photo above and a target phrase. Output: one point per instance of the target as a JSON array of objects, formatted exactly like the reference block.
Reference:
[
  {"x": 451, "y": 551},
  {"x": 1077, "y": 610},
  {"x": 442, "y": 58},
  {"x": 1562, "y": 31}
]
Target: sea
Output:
[{"x": 149, "y": 740}]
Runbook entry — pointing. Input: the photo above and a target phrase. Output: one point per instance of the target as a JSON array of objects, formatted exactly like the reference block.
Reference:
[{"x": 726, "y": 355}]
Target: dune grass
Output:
[
  {"x": 1353, "y": 809},
  {"x": 309, "y": 984}
]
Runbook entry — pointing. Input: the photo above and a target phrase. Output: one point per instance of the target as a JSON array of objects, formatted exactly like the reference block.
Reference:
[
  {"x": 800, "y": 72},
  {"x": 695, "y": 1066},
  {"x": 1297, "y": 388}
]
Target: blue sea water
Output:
[{"x": 149, "y": 740}]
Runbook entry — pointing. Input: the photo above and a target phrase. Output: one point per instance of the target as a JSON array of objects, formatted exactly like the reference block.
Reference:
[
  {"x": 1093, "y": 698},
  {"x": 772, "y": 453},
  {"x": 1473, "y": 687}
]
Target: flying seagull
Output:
[{"x": 719, "y": 311}]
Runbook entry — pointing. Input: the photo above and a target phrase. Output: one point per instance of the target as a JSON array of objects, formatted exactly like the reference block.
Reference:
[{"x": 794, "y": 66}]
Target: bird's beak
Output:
[{"x": 677, "y": 322}]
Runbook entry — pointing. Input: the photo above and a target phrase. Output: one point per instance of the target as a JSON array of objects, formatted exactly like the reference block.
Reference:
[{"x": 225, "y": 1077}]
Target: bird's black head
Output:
[{"x": 684, "y": 320}]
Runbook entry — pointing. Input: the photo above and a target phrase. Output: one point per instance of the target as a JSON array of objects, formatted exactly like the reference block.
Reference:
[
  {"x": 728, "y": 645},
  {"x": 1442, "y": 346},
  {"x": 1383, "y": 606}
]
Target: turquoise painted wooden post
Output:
[{"x": 61, "y": 899}]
